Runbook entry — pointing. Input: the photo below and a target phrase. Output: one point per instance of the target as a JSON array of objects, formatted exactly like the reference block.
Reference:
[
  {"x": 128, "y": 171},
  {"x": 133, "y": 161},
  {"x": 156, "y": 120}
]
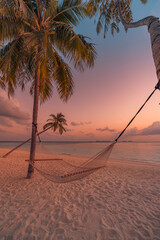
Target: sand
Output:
[{"x": 121, "y": 201}]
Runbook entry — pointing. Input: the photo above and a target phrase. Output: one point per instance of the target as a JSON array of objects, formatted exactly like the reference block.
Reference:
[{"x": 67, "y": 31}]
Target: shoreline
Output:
[{"x": 118, "y": 202}]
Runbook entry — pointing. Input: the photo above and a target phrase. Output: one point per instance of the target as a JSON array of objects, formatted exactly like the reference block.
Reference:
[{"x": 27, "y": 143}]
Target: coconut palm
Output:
[
  {"x": 56, "y": 122},
  {"x": 107, "y": 12},
  {"x": 36, "y": 35},
  {"x": 153, "y": 25}
]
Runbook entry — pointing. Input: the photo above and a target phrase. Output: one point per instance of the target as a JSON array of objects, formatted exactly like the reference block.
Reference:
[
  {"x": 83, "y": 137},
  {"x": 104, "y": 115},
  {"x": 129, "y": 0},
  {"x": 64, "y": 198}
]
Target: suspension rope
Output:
[
  {"x": 13, "y": 149},
  {"x": 156, "y": 87}
]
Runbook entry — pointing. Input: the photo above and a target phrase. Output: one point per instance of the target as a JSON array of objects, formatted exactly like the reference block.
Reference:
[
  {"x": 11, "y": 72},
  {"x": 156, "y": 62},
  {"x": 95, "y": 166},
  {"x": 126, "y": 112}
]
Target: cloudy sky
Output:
[{"x": 105, "y": 98}]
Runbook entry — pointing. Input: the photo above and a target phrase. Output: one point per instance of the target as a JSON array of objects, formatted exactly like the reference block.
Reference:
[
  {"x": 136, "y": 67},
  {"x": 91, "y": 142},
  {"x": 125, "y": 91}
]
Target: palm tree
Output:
[
  {"x": 35, "y": 35},
  {"x": 56, "y": 122},
  {"x": 108, "y": 17},
  {"x": 153, "y": 25}
]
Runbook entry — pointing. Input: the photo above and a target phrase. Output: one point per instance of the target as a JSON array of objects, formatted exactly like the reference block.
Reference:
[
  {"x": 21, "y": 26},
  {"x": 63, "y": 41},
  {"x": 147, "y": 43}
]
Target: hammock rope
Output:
[
  {"x": 156, "y": 87},
  {"x": 21, "y": 144}
]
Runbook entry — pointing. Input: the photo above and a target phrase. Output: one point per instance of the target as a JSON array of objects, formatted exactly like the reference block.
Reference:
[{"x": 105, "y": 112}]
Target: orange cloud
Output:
[{"x": 105, "y": 129}]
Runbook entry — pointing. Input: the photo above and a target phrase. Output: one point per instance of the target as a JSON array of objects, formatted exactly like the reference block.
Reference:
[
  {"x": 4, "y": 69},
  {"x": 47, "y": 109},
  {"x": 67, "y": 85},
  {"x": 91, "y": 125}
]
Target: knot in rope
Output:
[
  {"x": 35, "y": 125},
  {"x": 158, "y": 85}
]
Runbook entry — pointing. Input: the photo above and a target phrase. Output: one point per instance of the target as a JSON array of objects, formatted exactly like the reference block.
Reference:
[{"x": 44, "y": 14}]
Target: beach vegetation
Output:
[
  {"x": 153, "y": 26},
  {"x": 56, "y": 122},
  {"x": 106, "y": 14},
  {"x": 38, "y": 41}
]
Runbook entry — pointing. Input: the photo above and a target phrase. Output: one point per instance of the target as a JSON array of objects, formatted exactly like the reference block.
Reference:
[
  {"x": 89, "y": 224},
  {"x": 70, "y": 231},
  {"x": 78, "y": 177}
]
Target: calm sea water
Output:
[{"x": 132, "y": 151}]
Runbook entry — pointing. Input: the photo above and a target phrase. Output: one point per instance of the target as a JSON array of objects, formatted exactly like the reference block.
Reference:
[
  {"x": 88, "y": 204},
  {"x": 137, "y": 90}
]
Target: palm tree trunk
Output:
[
  {"x": 34, "y": 124},
  {"x": 153, "y": 25}
]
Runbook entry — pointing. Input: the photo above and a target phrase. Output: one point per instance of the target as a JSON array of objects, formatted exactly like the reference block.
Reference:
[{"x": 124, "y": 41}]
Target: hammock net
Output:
[{"x": 61, "y": 171}]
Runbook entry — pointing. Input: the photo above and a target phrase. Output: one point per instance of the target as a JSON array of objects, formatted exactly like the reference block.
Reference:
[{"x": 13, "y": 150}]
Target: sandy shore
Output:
[{"x": 121, "y": 201}]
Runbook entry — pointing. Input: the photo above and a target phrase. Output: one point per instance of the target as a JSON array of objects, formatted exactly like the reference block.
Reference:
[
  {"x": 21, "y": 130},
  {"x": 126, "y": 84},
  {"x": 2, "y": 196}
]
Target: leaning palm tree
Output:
[
  {"x": 107, "y": 14},
  {"x": 36, "y": 35},
  {"x": 56, "y": 122},
  {"x": 153, "y": 25}
]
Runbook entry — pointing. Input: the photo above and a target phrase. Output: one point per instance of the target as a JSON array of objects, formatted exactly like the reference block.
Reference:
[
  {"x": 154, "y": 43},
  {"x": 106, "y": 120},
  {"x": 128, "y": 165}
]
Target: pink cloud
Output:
[
  {"x": 10, "y": 109},
  {"x": 105, "y": 129}
]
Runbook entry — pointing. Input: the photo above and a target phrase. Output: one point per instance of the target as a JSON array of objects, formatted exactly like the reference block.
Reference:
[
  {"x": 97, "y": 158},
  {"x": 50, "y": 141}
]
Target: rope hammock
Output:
[{"x": 62, "y": 171}]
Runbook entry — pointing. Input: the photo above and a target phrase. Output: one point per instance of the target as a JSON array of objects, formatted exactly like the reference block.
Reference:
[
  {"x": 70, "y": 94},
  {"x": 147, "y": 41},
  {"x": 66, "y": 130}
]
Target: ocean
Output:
[{"x": 123, "y": 151}]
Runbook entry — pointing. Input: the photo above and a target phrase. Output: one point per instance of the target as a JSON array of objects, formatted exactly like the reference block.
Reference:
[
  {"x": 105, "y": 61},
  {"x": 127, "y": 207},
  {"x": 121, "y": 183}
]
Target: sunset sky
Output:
[{"x": 105, "y": 98}]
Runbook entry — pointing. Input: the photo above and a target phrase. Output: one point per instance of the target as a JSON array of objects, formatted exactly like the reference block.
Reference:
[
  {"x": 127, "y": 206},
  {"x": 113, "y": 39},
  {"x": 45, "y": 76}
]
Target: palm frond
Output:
[
  {"x": 61, "y": 129},
  {"x": 107, "y": 12},
  {"x": 62, "y": 76},
  {"x": 70, "y": 12},
  {"x": 11, "y": 62},
  {"x": 47, "y": 125},
  {"x": 74, "y": 46},
  {"x": 53, "y": 116}
]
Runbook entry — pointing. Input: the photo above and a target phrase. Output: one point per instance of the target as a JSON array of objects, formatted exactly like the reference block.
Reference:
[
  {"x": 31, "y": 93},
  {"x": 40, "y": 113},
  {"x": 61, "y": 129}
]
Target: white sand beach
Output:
[{"x": 121, "y": 201}]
